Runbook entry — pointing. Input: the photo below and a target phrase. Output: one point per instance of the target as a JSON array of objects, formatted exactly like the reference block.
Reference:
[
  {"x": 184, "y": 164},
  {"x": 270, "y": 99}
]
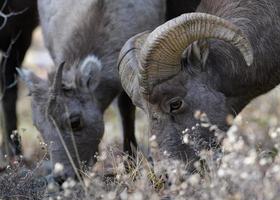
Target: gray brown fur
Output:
[
  {"x": 78, "y": 32},
  {"x": 221, "y": 86}
]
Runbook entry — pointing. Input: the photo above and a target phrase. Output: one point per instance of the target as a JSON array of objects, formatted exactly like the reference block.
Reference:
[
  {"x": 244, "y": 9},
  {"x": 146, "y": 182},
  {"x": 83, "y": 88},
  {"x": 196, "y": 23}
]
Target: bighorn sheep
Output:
[{"x": 213, "y": 61}]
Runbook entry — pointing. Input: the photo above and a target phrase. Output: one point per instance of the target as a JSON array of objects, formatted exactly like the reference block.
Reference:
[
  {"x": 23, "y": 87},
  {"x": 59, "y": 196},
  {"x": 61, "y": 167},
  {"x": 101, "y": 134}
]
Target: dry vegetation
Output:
[{"x": 249, "y": 167}]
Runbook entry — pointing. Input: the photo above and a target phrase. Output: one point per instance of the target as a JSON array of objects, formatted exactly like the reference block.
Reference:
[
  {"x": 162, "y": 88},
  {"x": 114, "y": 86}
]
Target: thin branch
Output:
[
  {"x": 73, "y": 139},
  {"x": 52, "y": 120},
  {"x": 7, "y": 16},
  {"x": 3, "y": 66},
  {"x": 4, "y": 5}
]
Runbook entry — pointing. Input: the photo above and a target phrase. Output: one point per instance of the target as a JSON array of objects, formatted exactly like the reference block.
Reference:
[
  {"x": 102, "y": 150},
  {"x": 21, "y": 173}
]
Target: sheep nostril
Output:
[{"x": 76, "y": 122}]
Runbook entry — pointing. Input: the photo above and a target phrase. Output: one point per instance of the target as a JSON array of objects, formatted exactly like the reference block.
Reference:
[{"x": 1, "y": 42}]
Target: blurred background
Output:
[{"x": 254, "y": 122}]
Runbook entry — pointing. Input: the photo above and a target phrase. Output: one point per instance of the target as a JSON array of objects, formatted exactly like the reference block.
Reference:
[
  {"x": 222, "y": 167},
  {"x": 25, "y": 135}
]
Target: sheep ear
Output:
[
  {"x": 30, "y": 79},
  {"x": 90, "y": 72}
]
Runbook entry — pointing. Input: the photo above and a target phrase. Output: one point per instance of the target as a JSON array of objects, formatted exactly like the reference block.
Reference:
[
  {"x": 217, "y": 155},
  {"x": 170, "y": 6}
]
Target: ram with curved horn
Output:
[{"x": 197, "y": 69}]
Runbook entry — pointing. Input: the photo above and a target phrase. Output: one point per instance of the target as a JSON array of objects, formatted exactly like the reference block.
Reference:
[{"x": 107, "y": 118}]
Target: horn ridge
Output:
[
  {"x": 129, "y": 65},
  {"x": 162, "y": 51}
]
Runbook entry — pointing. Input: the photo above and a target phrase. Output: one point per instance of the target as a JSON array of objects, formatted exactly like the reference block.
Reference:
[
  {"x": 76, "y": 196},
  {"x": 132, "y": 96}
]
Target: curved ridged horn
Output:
[
  {"x": 129, "y": 64},
  {"x": 162, "y": 51}
]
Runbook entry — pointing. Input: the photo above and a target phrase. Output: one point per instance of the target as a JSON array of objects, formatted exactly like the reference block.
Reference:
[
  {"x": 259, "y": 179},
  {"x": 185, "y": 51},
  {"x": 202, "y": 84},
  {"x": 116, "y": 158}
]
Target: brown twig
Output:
[
  {"x": 3, "y": 66},
  {"x": 5, "y": 17}
]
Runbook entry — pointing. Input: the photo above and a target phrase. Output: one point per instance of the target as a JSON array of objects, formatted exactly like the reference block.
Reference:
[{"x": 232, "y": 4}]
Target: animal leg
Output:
[{"x": 127, "y": 111}]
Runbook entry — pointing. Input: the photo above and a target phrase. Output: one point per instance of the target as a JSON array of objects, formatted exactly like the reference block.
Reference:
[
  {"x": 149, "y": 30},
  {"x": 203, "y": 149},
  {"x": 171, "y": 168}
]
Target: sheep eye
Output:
[{"x": 175, "y": 105}]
